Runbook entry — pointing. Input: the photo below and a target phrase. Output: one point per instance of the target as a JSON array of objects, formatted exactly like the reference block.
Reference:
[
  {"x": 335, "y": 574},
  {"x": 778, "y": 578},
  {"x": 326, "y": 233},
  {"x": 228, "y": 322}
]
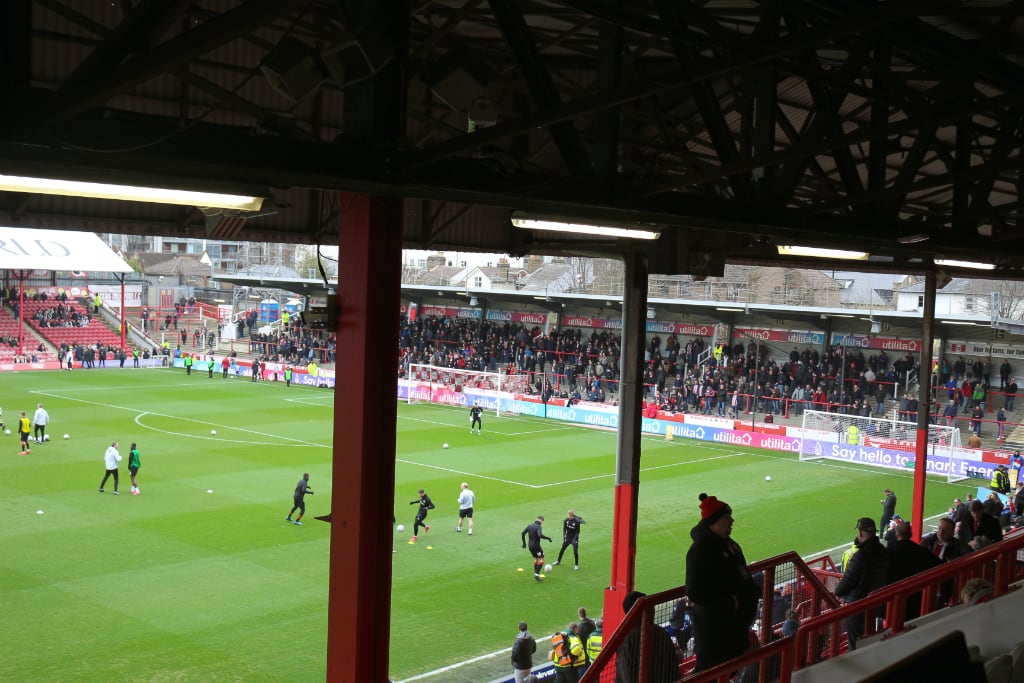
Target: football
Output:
[
  {"x": 547, "y": 567},
  {"x": 400, "y": 528},
  {"x": 46, "y": 437},
  {"x": 214, "y": 432},
  {"x": 7, "y": 432},
  {"x": 67, "y": 436},
  {"x": 768, "y": 477},
  {"x": 444, "y": 446}
]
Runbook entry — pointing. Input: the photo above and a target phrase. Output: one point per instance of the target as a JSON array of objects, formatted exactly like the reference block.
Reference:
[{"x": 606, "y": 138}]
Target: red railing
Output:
[
  {"x": 785, "y": 578},
  {"x": 821, "y": 633}
]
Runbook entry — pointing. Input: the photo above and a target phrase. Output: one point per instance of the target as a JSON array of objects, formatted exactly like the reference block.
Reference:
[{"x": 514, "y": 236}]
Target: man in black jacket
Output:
[
  {"x": 980, "y": 528},
  {"x": 723, "y": 593},
  {"x": 571, "y": 537},
  {"x": 865, "y": 572},
  {"x": 536, "y": 532},
  {"x": 522, "y": 653},
  {"x": 907, "y": 558}
]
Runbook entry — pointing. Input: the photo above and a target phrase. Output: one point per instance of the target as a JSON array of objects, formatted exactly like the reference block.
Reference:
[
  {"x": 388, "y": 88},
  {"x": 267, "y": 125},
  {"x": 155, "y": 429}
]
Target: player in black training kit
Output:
[
  {"x": 474, "y": 418},
  {"x": 535, "y": 533},
  {"x": 299, "y": 498},
  {"x": 421, "y": 514},
  {"x": 571, "y": 536}
]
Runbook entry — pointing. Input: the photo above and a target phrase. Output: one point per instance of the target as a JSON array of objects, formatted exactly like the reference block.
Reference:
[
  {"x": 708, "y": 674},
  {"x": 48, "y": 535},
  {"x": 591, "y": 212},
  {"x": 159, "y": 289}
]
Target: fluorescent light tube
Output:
[
  {"x": 818, "y": 252},
  {"x": 154, "y": 195},
  {"x": 952, "y": 263},
  {"x": 585, "y": 229}
]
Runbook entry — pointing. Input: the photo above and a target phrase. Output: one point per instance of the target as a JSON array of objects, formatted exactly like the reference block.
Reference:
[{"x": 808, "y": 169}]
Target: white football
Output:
[
  {"x": 444, "y": 446},
  {"x": 67, "y": 436},
  {"x": 400, "y": 528},
  {"x": 7, "y": 432},
  {"x": 214, "y": 432},
  {"x": 46, "y": 437},
  {"x": 767, "y": 477},
  {"x": 547, "y": 567}
]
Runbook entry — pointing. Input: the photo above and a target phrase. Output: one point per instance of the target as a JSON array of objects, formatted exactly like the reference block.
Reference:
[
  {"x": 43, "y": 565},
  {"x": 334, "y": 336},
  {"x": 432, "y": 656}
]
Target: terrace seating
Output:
[
  {"x": 9, "y": 328},
  {"x": 96, "y": 331}
]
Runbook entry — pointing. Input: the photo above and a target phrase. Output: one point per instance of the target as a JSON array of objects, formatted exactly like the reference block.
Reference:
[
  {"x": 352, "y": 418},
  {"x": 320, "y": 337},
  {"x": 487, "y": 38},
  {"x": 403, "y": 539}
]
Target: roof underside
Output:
[{"x": 736, "y": 126}]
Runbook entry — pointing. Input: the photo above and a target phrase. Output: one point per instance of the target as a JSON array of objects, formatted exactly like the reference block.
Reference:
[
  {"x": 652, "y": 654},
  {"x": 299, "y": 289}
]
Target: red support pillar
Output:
[{"x": 363, "y": 478}]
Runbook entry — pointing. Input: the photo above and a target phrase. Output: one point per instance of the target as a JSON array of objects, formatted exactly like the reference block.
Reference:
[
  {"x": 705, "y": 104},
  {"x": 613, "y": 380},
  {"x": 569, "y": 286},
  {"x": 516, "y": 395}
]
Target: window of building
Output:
[{"x": 478, "y": 281}]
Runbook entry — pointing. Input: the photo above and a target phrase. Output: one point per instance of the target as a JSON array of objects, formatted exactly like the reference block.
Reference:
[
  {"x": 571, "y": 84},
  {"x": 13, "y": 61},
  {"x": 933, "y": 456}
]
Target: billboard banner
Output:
[
  {"x": 784, "y": 336},
  {"x": 863, "y": 341},
  {"x": 521, "y": 317},
  {"x": 984, "y": 348}
]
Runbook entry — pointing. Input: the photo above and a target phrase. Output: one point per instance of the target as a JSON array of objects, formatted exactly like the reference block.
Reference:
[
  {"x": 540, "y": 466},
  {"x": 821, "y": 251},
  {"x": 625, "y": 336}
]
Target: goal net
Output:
[
  {"x": 884, "y": 442},
  {"x": 453, "y": 386}
]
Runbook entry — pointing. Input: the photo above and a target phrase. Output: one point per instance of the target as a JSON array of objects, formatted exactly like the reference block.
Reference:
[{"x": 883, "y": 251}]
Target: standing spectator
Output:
[
  {"x": 475, "y": 420},
  {"x": 907, "y": 558},
  {"x": 299, "y": 499},
  {"x": 723, "y": 593},
  {"x": 587, "y": 626},
  {"x": 134, "y": 463},
  {"x": 97, "y": 301},
  {"x": 23, "y": 433},
  {"x": 536, "y": 534},
  {"x": 941, "y": 543},
  {"x": 888, "y": 509},
  {"x": 980, "y": 529},
  {"x": 977, "y": 415},
  {"x": 594, "y": 642},
  {"x": 864, "y": 573},
  {"x": 1001, "y": 424},
  {"x": 466, "y": 500},
  {"x": 1011, "y": 393},
  {"x": 1004, "y": 374},
  {"x": 571, "y": 537},
  {"x": 40, "y": 419},
  {"x": 523, "y": 648},
  {"x": 425, "y": 505},
  {"x": 110, "y": 460},
  {"x": 224, "y": 365},
  {"x": 567, "y": 654},
  {"x": 1000, "y": 480},
  {"x": 663, "y": 662}
]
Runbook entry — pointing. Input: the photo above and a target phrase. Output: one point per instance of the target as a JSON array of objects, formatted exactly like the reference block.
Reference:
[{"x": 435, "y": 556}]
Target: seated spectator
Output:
[{"x": 977, "y": 591}]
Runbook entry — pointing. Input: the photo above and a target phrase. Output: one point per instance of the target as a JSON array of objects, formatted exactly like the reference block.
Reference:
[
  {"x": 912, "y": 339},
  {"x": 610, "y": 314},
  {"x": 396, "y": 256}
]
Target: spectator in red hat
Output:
[{"x": 723, "y": 593}]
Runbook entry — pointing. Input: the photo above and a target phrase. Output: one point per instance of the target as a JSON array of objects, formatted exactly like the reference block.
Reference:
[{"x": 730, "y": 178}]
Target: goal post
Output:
[
  {"x": 885, "y": 442},
  {"x": 436, "y": 384}
]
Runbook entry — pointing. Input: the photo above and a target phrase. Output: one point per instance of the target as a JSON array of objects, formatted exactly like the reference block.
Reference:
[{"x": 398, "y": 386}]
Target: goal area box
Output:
[
  {"x": 435, "y": 384},
  {"x": 883, "y": 442}
]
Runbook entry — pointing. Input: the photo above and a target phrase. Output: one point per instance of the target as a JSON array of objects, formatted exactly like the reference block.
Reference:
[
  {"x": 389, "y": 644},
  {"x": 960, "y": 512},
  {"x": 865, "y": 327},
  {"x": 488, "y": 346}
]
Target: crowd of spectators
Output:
[
  {"x": 574, "y": 364},
  {"x": 61, "y": 315},
  {"x": 295, "y": 342}
]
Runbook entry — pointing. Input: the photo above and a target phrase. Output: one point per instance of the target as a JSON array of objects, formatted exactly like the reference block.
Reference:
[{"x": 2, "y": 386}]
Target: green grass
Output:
[{"x": 181, "y": 585}]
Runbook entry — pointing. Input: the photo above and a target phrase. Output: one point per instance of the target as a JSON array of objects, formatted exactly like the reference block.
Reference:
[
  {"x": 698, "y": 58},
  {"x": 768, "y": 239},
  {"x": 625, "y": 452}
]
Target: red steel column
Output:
[
  {"x": 627, "y": 466},
  {"x": 365, "y": 407}
]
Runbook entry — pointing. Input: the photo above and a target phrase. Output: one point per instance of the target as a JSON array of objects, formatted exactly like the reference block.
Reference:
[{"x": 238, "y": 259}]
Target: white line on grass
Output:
[
  {"x": 138, "y": 415},
  {"x": 468, "y": 474},
  {"x": 452, "y": 667}
]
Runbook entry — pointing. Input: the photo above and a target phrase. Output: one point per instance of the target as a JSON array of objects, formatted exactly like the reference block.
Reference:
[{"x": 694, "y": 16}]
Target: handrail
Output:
[
  {"x": 787, "y": 571},
  {"x": 997, "y": 563}
]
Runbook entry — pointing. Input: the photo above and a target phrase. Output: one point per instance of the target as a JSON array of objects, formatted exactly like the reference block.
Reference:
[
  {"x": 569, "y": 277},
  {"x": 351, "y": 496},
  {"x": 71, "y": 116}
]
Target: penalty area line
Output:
[{"x": 453, "y": 667}]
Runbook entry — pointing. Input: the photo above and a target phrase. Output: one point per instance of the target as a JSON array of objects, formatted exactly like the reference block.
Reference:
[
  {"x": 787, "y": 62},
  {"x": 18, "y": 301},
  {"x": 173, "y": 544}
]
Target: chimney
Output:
[
  {"x": 503, "y": 269},
  {"x": 534, "y": 262},
  {"x": 435, "y": 260}
]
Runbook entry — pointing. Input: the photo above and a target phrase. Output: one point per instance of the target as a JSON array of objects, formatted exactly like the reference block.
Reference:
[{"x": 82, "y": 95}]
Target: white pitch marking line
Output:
[
  {"x": 452, "y": 667},
  {"x": 468, "y": 474}
]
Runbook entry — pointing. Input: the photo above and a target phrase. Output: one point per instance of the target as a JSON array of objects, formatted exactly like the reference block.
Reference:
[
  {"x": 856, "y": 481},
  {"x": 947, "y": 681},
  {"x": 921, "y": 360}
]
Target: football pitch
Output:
[{"x": 199, "y": 578}]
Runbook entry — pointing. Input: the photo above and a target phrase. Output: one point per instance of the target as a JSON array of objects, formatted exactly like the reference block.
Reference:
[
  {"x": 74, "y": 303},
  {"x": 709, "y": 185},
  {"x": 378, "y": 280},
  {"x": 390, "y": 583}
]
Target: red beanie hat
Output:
[{"x": 712, "y": 509}]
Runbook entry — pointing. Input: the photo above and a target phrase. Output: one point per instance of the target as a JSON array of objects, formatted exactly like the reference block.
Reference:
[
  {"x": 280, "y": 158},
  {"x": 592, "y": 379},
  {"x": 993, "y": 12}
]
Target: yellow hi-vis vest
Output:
[
  {"x": 853, "y": 435},
  {"x": 594, "y": 643},
  {"x": 567, "y": 650}
]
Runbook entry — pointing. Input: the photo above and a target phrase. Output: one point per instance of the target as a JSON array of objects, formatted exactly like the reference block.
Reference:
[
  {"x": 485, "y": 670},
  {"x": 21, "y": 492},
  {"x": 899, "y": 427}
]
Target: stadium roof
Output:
[{"x": 57, "y": 250}]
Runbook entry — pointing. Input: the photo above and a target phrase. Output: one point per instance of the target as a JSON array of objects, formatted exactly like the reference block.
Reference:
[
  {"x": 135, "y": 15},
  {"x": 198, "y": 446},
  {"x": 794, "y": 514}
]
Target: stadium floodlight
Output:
[
  {"x": 819, "y": 252},
  {"x": 153, "y": 195},
  {"x": 639, "y": 232}
]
